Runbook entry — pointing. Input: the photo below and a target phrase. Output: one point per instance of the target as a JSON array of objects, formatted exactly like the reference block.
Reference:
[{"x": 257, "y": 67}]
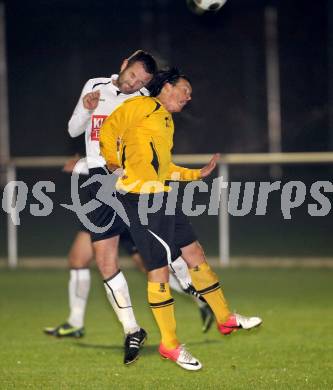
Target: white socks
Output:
[
  {"x": 174, "y": 284},
  {"x": 180, "y": 270},
  {"x": 78, "y": 291},
  {"x": 118, "y": 295},
  {"x": 180, "y": 278}
]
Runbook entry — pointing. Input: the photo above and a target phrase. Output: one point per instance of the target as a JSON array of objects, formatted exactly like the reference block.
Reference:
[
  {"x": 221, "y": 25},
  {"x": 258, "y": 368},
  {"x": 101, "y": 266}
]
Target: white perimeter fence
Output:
[{"x": 225, "y": 162}]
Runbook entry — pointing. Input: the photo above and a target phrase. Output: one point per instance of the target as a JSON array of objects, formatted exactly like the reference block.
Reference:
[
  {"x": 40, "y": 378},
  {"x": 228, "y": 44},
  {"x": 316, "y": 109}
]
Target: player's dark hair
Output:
[
  {"x": 170, "y": 75},
  {"x": 146, "y": 59}
]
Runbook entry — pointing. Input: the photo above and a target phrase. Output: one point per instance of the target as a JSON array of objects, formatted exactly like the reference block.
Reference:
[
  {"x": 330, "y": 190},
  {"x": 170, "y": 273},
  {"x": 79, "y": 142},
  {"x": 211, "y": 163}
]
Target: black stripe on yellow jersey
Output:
[{"x": 143, "y": 128}]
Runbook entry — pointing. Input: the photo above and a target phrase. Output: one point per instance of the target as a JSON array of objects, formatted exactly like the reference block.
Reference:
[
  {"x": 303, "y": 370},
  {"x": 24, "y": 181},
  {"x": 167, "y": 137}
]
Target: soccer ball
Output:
[
  {"x": 201, "y": 6},
  {"x": 210, "y": 5}
]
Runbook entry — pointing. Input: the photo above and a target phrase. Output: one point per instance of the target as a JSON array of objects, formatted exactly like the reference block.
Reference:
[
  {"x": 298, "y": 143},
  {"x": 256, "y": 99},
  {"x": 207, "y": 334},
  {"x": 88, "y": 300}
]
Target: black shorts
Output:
[
  {"x": 103, "y": 215},
  {"x": 155, "y": 238},
  {"x": 81, "y": 227},
  {"x": 127, "y": 243},
  {"x": 184, "y": 232}
]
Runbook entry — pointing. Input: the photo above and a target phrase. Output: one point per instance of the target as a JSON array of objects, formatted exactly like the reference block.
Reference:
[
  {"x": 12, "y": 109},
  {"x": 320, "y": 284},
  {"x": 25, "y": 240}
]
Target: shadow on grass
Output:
[
  {"x": 147, "y": 349},
  {"x": 150, "y": 349},
  {"x": 116, "y": 348}
]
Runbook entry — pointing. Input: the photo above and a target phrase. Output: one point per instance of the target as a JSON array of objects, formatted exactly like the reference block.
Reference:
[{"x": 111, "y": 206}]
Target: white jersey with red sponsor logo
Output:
[{"x": 90, "y": 122}]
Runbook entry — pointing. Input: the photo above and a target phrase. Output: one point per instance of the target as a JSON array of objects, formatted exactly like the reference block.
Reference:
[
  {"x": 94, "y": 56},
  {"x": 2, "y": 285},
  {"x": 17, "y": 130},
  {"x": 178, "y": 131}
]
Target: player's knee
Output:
[
  {"x": 197, "y": 247},
  {"x": 78, "y": 260},
  {"x": 107, "y": 263},
  {"x": 159, "y": 275},
  {"x": 108, "y": 270},
  {"x": 193, "y": 250}
]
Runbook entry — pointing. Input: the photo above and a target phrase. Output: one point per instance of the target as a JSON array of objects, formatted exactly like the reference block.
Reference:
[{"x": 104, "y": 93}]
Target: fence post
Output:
[
  {"x": 11, "y": 226},
  {"x": 224, "y": 239}
]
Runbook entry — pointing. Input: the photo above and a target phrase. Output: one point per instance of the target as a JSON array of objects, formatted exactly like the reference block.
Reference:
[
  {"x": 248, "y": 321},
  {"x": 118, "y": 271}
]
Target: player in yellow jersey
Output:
[{"x": 138, "y": 137}]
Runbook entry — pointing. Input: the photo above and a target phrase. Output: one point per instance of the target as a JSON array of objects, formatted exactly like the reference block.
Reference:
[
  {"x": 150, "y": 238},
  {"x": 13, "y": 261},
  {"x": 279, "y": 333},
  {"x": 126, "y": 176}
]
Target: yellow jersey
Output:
[{"x": 138, "y": 136}]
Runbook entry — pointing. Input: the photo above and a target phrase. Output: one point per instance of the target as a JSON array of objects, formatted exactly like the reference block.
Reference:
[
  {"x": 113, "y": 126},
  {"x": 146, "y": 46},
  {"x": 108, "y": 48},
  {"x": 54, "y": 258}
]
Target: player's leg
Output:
[
  {"x": 162, "y": 305},
  {"x": 106, "y": 253},
  {"x": 105, "y": 246},
  {"x": 204, "y": 280},
  {"x": 207, "y": 284},
  {"x": 180, "y": 281},
  {"x": 116, "y": 287},
  {"x": 185, "y": 235},
  {"x": 174, "y": 284},
  {"x": 137, "y": 260},
  {"x": 79, "y": 258},
  {"x": 128, "y": 244},
  {"x": 154, "y": 245}
]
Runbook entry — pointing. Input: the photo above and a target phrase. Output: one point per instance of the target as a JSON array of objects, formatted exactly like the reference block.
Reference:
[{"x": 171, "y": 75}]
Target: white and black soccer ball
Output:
[{"x": 202, "y": 6}]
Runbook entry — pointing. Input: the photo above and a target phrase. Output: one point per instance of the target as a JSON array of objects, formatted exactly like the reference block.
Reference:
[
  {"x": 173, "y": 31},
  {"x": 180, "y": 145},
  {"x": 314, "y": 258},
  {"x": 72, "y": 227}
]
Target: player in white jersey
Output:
[{"x": 99, "y": 97}]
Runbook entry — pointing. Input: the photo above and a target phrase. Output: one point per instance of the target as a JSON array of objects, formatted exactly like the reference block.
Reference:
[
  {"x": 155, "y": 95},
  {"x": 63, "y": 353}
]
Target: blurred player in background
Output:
[{"x": 146, "y": 161}]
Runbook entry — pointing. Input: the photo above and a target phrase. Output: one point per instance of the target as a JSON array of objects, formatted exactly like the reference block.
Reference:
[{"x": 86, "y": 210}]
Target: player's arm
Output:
[
  {"x": 187, "y": 174},
  {"x": 178, "y": 173},
  {"x": 70, "y": 164},
  {"x": 76, "y": 165},
  {"x": 81, "y": 116}
]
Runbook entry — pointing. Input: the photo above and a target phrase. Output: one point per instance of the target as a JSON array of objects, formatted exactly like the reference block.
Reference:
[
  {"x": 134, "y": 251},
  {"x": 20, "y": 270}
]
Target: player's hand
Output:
[
  {"x": 91, "y": 100},
  {"x": 70, "y": 164},
  {"x": 208, "y": 169},
  {"x": 117, "y": 170}
]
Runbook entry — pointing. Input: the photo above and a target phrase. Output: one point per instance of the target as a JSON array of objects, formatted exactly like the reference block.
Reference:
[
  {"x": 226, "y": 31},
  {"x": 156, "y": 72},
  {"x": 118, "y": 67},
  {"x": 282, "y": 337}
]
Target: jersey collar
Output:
[{"x": 115, "y": 90}]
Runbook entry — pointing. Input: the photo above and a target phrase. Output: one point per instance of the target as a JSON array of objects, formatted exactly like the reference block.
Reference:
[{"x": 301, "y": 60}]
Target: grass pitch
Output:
[{"x": 292, "y": 350}]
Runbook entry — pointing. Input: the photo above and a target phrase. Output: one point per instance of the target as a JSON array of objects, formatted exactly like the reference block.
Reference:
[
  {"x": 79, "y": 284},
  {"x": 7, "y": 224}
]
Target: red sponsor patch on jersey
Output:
[{"x": 96, "y": 124}]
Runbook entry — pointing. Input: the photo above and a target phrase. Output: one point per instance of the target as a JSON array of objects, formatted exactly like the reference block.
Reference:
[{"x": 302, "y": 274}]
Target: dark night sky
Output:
[{"x": 55, "y": 46}]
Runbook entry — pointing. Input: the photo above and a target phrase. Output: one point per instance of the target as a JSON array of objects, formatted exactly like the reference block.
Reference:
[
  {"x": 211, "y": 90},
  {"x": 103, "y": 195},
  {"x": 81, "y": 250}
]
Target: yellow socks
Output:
[
  {"x": 161, "y": 302},
  {"x": 207, "y": 284},
  {"x": 162, "y": 305}
]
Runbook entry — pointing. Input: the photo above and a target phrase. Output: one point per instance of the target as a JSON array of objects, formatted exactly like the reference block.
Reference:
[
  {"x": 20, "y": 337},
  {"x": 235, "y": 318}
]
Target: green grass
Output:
[{"x": 292, "y": 350}]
